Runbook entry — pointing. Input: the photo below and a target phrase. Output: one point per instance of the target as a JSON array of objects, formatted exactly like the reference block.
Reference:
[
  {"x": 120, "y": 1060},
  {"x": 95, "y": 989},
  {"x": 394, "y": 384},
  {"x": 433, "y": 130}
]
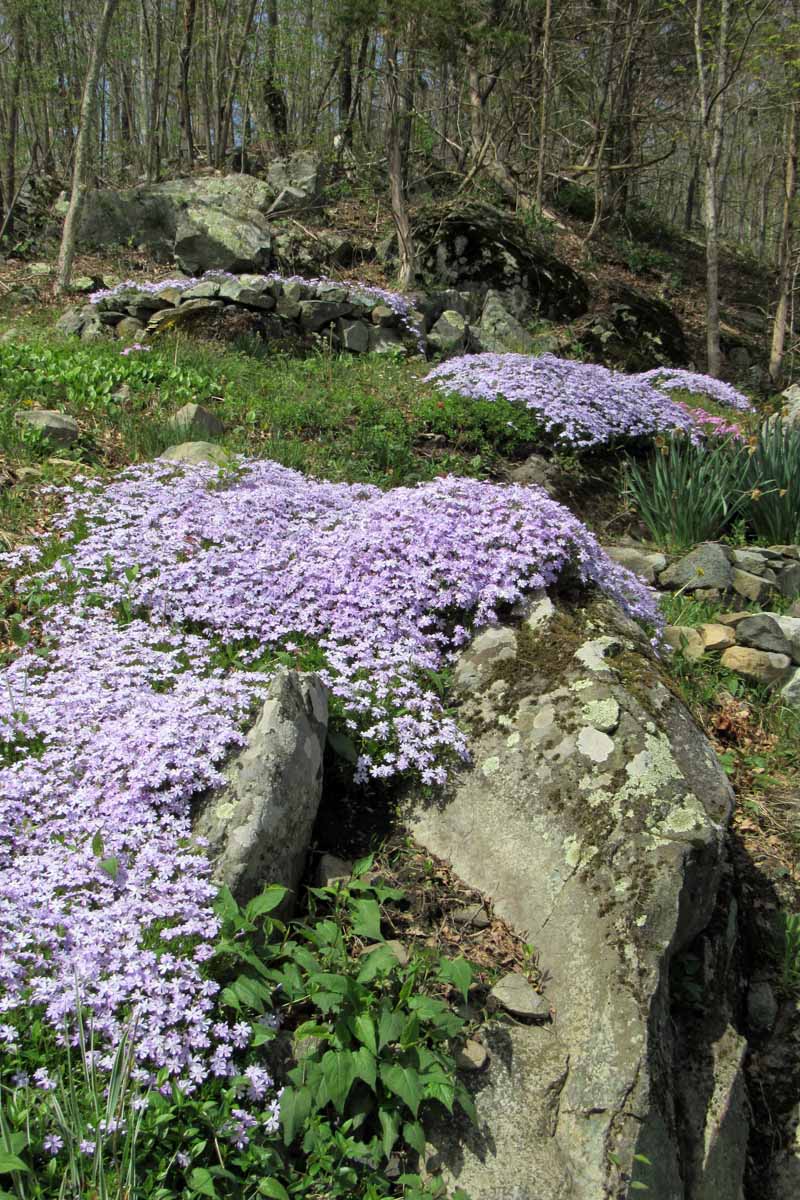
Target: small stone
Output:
[
  {"x": 790, "y": 692},
  {"x": 517, "y": 996},
  {"x": 758, "y": 665},
  {"x": 55, "y": 427},
  {"x": 789, "y": 580},
  {"x": 168, "y": 318},
  {"x": 473, "y": 914},
  {"x": 354, "y": 336},
  {"x": 686, "y": 639},
  {"x": 716, "y": 636},
  {"x": 762, "y": 633},
  {"x": 794, "y": 610},
  {"x": 790, "y": 628},
  {"x": 784, "y": 551},
  {"x": 449, "y": 334},
  {"x": 750, "y": 560},
  {"x": 330, "y": 869},
  {"x": 707, "y": 566},
  {"x": 196, "y": 423},
  {"x": 710, "y": 595},
  {"x": 194, "y": 453},
  {"x": 316, "y": 314},
  {"x": 129, "y": 329},
  {"x": 205, "y": 290},
  {"x": 751, "y": 587},
  {"x": 644, "y": 563},
  {"x": 286, "y": 309},
  {"x": 732, "y": 618},
  {"x": 384, "y": 341},
  {"x": 762, "y": 1007},
  {"x": 383, "y": 315},
  {"x": 473, "y": 1056}
]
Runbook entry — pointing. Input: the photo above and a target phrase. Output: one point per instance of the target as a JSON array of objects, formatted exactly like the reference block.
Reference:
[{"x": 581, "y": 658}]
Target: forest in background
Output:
[{"x": 686, "y": 108}]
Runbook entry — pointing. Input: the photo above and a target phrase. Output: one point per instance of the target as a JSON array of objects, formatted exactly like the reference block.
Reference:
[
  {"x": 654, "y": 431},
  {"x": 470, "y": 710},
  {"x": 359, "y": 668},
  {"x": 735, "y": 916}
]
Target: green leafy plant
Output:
[
  {"x": 790, "y": 949},
  {"x": 688, "y": 493},
  {"x": 772, "y": 504},
  {"x": 376, "y": 1046}
]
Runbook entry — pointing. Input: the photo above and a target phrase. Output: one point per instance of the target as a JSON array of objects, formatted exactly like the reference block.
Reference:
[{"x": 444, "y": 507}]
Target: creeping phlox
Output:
[
  {"x": 582, "y": 404},
  {"x": 120, "y": 717}
]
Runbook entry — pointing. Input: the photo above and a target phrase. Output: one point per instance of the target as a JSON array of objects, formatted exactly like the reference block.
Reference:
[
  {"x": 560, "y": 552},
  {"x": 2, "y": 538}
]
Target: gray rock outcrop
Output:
[
  {"x": 57, "y": 428},
  {"x": 258, "y": 828},
  {"x": 594, "y": 816}
]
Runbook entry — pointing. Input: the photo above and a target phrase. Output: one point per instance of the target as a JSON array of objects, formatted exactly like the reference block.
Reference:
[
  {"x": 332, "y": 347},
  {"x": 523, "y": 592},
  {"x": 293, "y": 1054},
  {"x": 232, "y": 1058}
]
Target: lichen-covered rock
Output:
[
  {"x": 500, "y": 331},
  {"x": 636, "y": 332},
  {"x": 196, "y": 423},
  {"x": 646, "y": 563},
  {"x": 594, "y": 816},
  {"x": 57, "y": 428},
  {"x": 449, "y": 335},
  {"x": 194, "y": 453},
  {"x": 688, "y": 640},
  {"x": 258, "y": 828},
  {"x": 762, "y": 633},
  {"x": 189, "y": 311}
]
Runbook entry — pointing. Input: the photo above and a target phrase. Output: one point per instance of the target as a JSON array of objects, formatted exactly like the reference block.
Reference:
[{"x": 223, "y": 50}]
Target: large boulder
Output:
[
  {"x": 500, "y": 331},
  {"x": 206, "y": 222},
  {"x": 258, "y": 828},
  {"x": 594, "y": 816},
  {"x": 636, "y": 332},
  {"x": 481, "y": 248}
]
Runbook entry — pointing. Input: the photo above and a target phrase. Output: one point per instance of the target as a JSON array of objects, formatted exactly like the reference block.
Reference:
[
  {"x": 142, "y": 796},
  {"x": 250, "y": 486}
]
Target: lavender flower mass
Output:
[
  {"x": 582, "y": 404},
  {"x": 122, "y": 715}
]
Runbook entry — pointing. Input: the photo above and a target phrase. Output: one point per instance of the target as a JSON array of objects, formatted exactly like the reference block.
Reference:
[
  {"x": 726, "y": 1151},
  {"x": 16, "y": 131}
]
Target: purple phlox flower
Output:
[{"x": 52, "y": 1143}]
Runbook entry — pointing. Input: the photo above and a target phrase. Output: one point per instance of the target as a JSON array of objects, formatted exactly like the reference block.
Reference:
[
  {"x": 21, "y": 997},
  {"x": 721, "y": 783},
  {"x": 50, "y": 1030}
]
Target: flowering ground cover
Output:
[
  {"x": 175, "y": 594},
  {"x": 582, "y": 405}
]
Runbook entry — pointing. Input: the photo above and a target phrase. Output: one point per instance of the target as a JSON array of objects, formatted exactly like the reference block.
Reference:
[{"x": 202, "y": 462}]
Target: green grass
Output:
[{"x": 367, "y": 419}]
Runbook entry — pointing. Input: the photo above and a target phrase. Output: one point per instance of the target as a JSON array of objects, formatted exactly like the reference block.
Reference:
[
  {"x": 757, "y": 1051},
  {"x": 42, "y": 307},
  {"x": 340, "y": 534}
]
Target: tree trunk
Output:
[
  {"x": 184, "y": 58},
  {"x": 274, "y": 99},
  {"x": 786, "y": 249},
  {"x": 8, "y": 184},
  {"x": 397, "y": 118},
  {"x": 713, "y": 114},
  {"x": 544, "y": 96},
  {"x": 88, "y": 105}
]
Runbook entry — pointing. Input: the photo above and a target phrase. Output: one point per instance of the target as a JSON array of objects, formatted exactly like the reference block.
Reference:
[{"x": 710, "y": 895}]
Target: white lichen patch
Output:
[
  {"x": 513, "y": 740},
  {"x": 491, "y": 766},
  {"x": 595, "y": 744},
  {"x": 652, "y": 767},
  {"x": 593, "y": 654},
  {"x": 580, "y": 685}
]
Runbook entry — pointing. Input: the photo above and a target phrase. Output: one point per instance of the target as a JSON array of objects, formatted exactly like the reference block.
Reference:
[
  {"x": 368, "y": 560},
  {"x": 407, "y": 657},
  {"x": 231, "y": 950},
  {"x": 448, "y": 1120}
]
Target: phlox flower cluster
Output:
[
  {"x": 671, "y": 378},
  {"x": 581, "y": 405},
  {"x": 114, "y": 724},
  {"x": 710, "y": 426},
  {"x": 135, "y": 348}
]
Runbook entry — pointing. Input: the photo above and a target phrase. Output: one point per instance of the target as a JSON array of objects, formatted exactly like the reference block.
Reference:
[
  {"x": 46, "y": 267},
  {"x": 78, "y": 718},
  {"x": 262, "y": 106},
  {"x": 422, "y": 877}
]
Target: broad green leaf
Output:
[
  {"x": 390, "y": 1127},
  {"x": 365, "y": 1066},
  {"x": 415, "y": 1136},
  {"x": 312, "y": 1029},
  {"x": 466, "y": 1103},
  {"x": 266, "y": 902},
  {"x": 294, "y": 1110},
  {"x": 271, "y": 1187},
  {"x": 342, "y": 745},
  {"x": 110, "y": 866},
  {"x": 10, "y": 1162},
  {"x": 458, "y": 972},
  {"x": 225, "y": 906},
  {"x": 403, "y": 1082},
  {"x": 338, "y": 1073},
  {"x": 367, "y": 920},
  {"x": 380, "y": 961},
  {"x": 363, "y": 865},
  {"x": 637, "y": 1186},
  {"x": 201, "y": 1182},
  {"x": 441, "y": 1089},
  {"x": 98, "y": 845},
  {"x": 363, "y": 1027},
  {"x": 390, "y": 1026}
]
